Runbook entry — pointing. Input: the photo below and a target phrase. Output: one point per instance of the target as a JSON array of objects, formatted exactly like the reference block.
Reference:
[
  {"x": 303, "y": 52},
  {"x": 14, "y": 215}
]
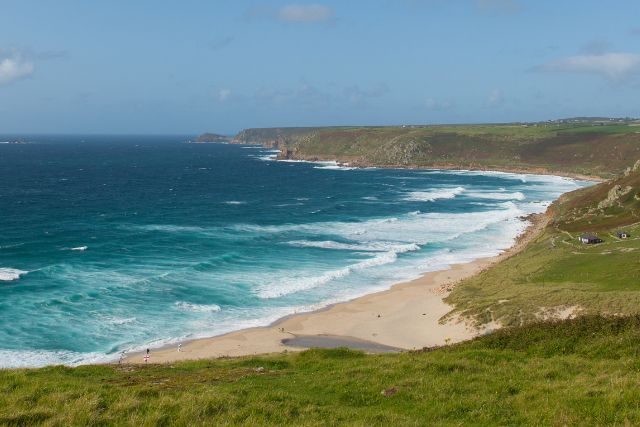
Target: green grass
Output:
[
  {"x": 580, "y": 372},
  {"x": 556, "y": 271}
]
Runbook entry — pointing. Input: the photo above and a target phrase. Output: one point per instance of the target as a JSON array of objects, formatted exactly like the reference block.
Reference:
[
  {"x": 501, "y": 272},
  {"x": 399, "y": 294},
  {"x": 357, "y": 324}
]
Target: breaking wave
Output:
[
  {"x": 296, "y": 284},
  {"x": 433, "y": 195},
  {"x": 197, "y": 308},
  {"x": 518, "y": 195},
  {"x": 9, "y": 274}
]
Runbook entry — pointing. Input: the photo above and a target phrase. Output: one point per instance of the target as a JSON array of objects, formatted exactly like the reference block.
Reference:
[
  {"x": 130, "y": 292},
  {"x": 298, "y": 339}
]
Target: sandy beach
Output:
[{"x": 404, "y": 317}]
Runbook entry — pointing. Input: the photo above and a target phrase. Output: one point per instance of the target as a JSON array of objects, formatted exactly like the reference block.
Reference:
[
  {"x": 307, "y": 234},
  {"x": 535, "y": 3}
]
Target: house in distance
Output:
[{"x": 590, "y": 239}]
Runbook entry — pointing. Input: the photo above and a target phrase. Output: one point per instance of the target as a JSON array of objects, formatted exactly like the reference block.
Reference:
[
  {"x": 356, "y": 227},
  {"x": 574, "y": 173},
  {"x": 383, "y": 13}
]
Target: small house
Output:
[
  {"x": 590, "y": 239},
  {"x": 622, "y": 234}
]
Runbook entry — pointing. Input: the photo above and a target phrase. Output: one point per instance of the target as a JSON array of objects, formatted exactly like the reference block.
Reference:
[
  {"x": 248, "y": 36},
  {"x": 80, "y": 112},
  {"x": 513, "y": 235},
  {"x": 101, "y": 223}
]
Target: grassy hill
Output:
[
  {"x": 556, "y": 272},
  {"x": 542, "y": 147},
  {"x": 579, "y": 372}
]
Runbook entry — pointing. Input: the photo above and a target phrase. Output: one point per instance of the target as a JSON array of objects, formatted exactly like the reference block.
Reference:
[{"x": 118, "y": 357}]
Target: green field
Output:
[
  {"x": 580, "y": 372},
  {"x": 561, "y": 148},
  {"x": 556, "y": 271}
]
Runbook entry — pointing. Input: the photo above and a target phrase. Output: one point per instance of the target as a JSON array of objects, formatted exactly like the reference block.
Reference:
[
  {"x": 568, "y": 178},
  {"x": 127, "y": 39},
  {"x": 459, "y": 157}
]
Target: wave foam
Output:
[
  {"x": 9, "y": 274},
  {"x": 430, "y": 196},
  {"x": 197, "y": 308},
  {"x": 497, "y": 196},
  {"x": 280, "y": 288},
  {"x": 333, "y": 166},
  {"x": 368, "y": 246},
  {"x": 39, "y": 358}
]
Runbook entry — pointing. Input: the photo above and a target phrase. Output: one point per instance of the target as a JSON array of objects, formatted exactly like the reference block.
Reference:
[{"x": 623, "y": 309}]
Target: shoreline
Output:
[
  {"x": 454, "y": 167},
  {"x": 284, "y": 154},
  {"x": 407, "y": 316}
]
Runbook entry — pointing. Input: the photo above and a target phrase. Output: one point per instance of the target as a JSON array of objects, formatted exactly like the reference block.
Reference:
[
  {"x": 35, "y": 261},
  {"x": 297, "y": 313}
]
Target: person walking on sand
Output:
[{"x": 179, "y": 347}]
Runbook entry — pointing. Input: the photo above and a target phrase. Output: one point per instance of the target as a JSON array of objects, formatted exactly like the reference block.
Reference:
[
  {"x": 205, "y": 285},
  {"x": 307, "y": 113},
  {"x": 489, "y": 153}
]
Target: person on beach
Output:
[{"x": 179, "y": 347}]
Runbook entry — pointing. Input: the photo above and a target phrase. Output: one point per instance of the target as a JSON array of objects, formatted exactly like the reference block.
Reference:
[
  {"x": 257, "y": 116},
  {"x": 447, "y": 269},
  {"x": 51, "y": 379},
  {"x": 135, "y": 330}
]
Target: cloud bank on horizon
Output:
[
  {"x": 613, "y": 65},
  {"x": 221, "y": 66}
]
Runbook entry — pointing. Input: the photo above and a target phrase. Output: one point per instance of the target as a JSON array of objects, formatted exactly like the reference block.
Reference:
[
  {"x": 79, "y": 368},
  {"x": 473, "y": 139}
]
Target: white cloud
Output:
[
  {"x": 14, "y": 67},
  {"x": 495, "y": 98},
  {"x": 305, "y": 13},
  {"x": 614, "y": 65},
  {"x": 224, "y": 94}
]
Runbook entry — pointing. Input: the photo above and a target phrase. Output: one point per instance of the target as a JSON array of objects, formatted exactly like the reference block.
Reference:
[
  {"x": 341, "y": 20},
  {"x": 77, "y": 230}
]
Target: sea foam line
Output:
[
  {"x": 9, "y": 274},
  {"x": 197, "y": 308},
  {"x": 293, "y": 285}
]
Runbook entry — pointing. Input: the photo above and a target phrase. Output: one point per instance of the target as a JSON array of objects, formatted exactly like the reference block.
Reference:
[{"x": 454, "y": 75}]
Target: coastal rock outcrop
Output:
[
  {"x": 634, "y": 168},
  {"x": 616, "y": 192},
  {"x": 212, "y": 137}
]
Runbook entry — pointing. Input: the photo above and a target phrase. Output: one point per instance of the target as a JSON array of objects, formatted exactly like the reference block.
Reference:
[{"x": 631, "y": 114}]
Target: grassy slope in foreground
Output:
[
  {"x": 556, "y": 272},
  {"x": 562, "y": 149},
  {"x": 578, "y": 372}
]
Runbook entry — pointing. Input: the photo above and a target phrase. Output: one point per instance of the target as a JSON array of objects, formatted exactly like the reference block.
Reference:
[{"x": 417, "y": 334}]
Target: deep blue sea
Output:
[{"x": 119, "y": 243}]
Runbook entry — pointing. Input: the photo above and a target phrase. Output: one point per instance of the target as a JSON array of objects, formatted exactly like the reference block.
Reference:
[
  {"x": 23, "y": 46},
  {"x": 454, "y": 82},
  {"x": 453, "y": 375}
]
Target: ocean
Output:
[{"x": 118, "y": 243}]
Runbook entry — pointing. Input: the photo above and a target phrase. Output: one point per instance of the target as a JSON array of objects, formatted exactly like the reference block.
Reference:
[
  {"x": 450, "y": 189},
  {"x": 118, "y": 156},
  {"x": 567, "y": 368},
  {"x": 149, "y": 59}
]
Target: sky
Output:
[{"x": 185, "y": 67}]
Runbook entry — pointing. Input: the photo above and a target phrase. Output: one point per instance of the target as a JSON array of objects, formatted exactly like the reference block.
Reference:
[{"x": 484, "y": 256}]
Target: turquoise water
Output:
[{"x": 119, "y": 243}]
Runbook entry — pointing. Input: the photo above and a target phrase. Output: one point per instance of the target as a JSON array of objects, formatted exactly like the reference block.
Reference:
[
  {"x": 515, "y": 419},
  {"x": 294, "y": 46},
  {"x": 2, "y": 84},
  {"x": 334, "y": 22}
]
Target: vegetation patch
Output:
[
  {"x": 583, "y": 371},
  {"x": 583, "y": 148}
]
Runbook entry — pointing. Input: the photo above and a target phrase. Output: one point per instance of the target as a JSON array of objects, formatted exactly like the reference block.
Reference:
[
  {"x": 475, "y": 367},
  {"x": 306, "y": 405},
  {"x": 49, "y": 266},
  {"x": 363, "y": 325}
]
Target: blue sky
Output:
[{"x": 141, "y": 66}]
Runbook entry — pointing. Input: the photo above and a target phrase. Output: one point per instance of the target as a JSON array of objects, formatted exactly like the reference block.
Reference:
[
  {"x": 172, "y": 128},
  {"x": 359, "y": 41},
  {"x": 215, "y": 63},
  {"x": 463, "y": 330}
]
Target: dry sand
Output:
[{"x": 407, "y": 316}]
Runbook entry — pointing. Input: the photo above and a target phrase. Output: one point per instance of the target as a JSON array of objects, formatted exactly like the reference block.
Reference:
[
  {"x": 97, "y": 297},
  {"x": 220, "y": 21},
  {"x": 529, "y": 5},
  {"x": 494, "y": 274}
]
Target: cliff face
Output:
[
  {"x": 576, "y": 150},
  {"x": 273, "y": 137}
]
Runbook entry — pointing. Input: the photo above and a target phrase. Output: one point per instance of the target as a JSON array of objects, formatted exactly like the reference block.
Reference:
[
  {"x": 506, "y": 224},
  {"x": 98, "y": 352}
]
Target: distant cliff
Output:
[
  {"x": 549, "y": 147},
  {"x": 212, "y": 137},
  {"x": 275, "y": 137}
]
